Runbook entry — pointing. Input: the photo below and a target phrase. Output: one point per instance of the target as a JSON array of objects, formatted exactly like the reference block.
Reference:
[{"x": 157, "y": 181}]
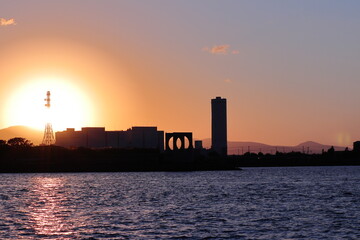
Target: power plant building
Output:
[
  {"x": 219, "y": 126},
  {"x": 97, "y": 137}
]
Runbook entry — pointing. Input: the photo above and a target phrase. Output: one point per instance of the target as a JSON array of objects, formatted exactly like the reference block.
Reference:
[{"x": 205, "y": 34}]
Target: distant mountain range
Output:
[
  {"x": 254, "y": 147},
  {"x": 35, "y": 136}
]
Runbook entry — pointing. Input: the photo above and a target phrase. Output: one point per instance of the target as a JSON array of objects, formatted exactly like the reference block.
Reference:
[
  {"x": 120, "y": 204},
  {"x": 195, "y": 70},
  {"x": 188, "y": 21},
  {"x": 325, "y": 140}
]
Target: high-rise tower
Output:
[
  {"x": 218, "y": 126},
  {"x": 48, "y": 133}
]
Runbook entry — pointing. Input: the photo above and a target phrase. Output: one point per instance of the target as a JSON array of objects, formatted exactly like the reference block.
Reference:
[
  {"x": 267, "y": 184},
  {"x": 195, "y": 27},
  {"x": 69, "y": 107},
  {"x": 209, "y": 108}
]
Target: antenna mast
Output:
[{"x": 48, "y": 133}]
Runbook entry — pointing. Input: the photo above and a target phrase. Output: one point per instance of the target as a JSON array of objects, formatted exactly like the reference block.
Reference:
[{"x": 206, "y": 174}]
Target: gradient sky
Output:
[{"x": 289, "y": 69}]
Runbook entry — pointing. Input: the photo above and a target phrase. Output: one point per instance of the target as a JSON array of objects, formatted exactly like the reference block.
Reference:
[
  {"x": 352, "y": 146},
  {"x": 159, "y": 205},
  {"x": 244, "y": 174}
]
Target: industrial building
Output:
[
  {"x": 218, "y": 126},
  {"x": 97, "y": 137},
  {"x": 149, "y": 137}
]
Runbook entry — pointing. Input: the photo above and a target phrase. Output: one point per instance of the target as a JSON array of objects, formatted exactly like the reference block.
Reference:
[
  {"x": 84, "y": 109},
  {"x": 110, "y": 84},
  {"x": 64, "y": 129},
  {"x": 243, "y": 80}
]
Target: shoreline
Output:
[{"x": 57, "y": 159}]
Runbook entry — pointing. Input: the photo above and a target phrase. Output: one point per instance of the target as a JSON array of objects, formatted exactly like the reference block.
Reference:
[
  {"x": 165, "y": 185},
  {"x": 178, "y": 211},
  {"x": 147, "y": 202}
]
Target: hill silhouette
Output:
[
  {"x": 237, "y": 147},
  {"x": 34, "y": 135}
]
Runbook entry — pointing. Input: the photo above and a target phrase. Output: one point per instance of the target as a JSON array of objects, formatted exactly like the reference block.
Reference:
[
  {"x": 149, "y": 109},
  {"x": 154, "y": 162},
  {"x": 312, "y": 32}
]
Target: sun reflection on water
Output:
[{"x": 49, "y": 209}]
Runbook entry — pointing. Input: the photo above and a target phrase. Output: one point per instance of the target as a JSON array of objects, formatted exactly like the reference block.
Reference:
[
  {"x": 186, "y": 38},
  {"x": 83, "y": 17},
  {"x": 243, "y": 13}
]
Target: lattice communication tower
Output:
[{"x": 48, "y": 133}]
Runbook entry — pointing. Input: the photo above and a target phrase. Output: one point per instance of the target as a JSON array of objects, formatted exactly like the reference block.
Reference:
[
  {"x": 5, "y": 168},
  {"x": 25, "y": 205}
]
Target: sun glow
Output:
[{"x": 69, "y": 106}]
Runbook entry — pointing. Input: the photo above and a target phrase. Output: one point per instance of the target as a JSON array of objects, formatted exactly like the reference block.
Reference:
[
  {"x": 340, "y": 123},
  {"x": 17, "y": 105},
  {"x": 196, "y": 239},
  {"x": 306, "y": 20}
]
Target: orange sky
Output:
[{"x": 287, "y": 75}]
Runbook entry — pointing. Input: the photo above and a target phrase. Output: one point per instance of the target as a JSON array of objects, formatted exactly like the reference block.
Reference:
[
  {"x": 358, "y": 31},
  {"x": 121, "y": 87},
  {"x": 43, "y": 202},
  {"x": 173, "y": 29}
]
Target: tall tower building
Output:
[
  {"x": 48, "y": 133},
  {"x": 218, "y": 126}
]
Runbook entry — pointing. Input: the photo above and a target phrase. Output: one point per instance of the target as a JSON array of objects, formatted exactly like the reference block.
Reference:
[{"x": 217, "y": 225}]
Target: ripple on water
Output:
[{"x": 259, "y": 203}]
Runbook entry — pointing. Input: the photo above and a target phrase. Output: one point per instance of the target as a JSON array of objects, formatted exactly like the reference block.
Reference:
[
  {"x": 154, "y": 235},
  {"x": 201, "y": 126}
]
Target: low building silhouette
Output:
[
  {"x": 356, "y": 146},
  {"x": 179, "y": 141},
  {"x": 97, "y": 137},
  {"x": 199, "y": 144},
  {"x": 179, "y": 149}
]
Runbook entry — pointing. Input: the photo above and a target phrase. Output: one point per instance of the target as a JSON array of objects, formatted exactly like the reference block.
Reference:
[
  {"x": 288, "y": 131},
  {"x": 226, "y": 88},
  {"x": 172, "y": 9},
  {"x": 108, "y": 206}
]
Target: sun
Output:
[{"x": 70, "y": 107}]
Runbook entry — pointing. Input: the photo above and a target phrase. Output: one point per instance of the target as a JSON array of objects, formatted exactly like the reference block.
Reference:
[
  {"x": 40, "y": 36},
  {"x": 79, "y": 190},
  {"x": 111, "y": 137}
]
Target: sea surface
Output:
[{"x": 255, "y": 203}]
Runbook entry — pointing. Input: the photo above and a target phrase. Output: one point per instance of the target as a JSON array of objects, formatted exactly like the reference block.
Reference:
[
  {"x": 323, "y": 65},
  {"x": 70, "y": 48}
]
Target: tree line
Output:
[{"x": 16, "y": 142}]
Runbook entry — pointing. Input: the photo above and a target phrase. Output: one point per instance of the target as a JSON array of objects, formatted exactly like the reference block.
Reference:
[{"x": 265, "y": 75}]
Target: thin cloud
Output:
[
  {"x": 217, "y": 49},
  {"x": 7, "y": 22},
  {"x": 220, "y": 49}
]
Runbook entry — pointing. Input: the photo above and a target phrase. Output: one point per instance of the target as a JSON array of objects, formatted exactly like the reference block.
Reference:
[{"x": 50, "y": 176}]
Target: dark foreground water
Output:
[{"x": 256, "y": 203}]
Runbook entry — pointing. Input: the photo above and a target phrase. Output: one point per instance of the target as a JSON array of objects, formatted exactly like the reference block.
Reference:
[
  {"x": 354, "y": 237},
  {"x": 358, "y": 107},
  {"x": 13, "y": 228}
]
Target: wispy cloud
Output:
[
  {"x": 7, "y": 22},
  {"x": 220, "y": 49},
  {"x": 228, "y": 80}
]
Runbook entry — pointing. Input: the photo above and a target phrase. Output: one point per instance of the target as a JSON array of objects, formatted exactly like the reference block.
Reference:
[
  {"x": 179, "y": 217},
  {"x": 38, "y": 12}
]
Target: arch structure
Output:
[{"x": 177, "y": 137}]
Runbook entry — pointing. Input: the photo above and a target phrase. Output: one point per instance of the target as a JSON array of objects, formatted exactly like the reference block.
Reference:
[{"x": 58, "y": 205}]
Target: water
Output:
[{"x": 256, "y": 203}]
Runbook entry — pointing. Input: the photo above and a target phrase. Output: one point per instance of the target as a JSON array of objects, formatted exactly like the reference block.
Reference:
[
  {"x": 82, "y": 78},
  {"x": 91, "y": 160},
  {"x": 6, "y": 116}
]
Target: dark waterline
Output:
[{"x": 257, "y": 203}]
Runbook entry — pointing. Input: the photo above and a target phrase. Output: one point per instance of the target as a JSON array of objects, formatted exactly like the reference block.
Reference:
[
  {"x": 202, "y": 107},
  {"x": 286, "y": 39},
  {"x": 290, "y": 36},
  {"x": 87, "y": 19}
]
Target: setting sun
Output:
[
  {"x": 69, "y": 106},
  {"x": 300, "y": 84}
]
